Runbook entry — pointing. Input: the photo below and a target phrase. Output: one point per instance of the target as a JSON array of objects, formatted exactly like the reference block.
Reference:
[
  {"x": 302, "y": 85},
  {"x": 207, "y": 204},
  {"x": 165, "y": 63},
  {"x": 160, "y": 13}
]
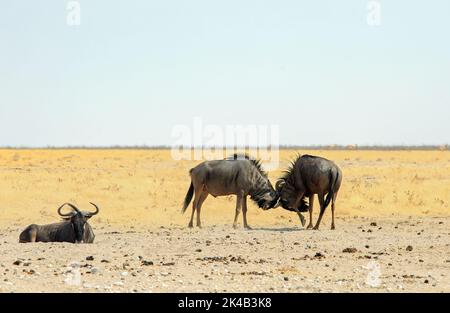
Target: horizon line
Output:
[{"x": 349, "y": 147}]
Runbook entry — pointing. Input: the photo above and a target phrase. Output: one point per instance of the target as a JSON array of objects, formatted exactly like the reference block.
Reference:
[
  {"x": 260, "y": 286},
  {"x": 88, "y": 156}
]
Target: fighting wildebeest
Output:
[
  {"x": 308, "y": 176},
  {"x": 74, "y": 228},
  {"x": 238, "y": 175}
]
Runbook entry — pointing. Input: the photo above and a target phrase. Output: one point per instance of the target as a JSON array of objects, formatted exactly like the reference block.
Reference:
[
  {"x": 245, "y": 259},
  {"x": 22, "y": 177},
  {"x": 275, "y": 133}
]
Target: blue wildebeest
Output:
[
  {"x": 238, "y": 175},
  {"x": 308, "y": 176},
  {"x": 74, "y": 228}
]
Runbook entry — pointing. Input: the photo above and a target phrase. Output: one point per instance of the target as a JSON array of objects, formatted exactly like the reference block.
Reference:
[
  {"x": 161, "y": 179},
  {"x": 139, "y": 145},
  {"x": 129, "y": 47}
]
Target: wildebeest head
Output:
[
  {"x": 78, "y": 219},
  {"x": 287, "y": 193},
  {"x": 267, "y": 199}
]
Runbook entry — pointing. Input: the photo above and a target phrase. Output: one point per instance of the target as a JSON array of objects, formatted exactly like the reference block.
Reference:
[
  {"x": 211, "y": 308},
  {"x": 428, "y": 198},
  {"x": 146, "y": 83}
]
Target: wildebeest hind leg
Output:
[
  {"x": 311, "y": 209},
  {"x": 201, "y": 199},
  {"x": 238, "y": 210},
  {"x": 194, "y": 207},
  {"x": 333, "y": 226},
  {"x": 322, "y": 211}
]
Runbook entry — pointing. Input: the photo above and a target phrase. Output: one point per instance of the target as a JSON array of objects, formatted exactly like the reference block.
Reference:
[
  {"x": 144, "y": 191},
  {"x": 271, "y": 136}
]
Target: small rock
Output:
[
  {"x": 373, "y": 224},
  {"x": 319, "y": 255},
  {"x": 105, "y": 261},
  {"x": 409, "y": 248},
  {"x": 286, "y": 278},
  {"x": 169, "y": 264},
  {"x": 18, "y": 262},
  {"x": 147, "y": 263},
  {"x": 90, "y": 258},
  {"x": 198, "y": 250},
  {"x": 350, "y": 250},
  {"x": 426, "y": 281}
]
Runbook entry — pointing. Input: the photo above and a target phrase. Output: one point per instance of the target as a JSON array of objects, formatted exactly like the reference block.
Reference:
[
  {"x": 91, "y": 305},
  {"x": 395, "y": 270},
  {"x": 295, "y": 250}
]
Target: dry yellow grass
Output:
[{"x": 146, "y": 187}]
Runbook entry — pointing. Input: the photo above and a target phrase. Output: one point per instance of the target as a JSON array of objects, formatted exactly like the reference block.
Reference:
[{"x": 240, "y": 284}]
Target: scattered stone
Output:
[
  {"x": 198, "y": 250},
  {"x": 18, "y": 262},
  {"x": 409, "y": 248},
  {"x": 286, "y": 279},
  {"x": 426, "y": 281},
  {"x": 373, "y": 224},
  {"x": 350, "y": 250},
  {"x": 147, "y": 263},
  {"x": 319, "y": 256},
  {"x": 105, "y": 261},
  {"x": 169, "y": 264},
  {"x": 90, "y": 258}
]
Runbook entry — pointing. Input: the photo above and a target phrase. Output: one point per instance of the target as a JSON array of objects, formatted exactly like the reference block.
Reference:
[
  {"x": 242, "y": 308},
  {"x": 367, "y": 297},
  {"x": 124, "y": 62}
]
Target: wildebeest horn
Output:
[
  {"x": 278, "y": 204},
  {"x": 279, "y": 185},
  {"x": 96, "y": 210},
  {"x": 67, "y": 214}
]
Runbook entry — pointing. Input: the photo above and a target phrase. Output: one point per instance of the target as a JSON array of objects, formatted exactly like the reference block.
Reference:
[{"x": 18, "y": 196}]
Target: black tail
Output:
[
  {"x": 331, "y": 192},
  {"x": 188, "y": 199}
]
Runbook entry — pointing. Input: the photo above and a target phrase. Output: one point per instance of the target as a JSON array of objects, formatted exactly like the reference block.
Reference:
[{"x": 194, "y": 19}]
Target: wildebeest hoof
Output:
[
  {"x": 191, "y": 226},
  {"x": 309, "y": 226},
  {"x": 333, "y": 227},
  {"x": 248, "y": 228},
  {"x": 235, "y": 226}
]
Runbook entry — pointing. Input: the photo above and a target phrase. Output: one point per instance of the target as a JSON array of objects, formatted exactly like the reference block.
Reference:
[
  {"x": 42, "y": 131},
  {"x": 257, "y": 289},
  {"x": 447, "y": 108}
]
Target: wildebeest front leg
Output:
[
  {"x": 244, "y": 211},
  {"x": 310, "y": 209},
  {"x": 322, "y": 211},
  {"x": 238, "y": 210},
  {"x": 296, "y": 205}
]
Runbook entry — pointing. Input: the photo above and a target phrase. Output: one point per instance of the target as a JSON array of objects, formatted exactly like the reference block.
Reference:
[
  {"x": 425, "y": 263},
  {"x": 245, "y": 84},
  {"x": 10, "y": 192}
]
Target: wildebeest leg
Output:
[
  {"x": 310, "y": 209},
  {"x": 244, "y": 211},
  {"x": 238, "y": 210},
  {"x": 296, "y": 205},
  {"x": 322, "y": 210},
  {"x": 194, "y": 206},
  {"x": 333, "y": 227},
  {"x": 202, "y": 199}
]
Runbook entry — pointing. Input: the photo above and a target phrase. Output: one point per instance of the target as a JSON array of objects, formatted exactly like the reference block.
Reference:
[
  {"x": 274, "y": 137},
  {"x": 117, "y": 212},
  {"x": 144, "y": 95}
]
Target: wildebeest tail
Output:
[
  {"x": 188, "y": 199},
  {"x": 334, "y": 178}
]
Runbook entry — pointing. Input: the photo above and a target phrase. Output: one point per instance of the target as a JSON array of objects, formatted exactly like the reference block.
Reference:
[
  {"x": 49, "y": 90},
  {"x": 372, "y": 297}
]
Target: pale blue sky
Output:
[{"x": 134, "y": 69}]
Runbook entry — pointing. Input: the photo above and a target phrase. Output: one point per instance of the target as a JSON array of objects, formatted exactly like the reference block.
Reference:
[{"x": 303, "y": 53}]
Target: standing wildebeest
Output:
[
  {"x": 310, "y": 175},
  {"x": 238, "y": 175},
  {"x": 74, "y": 228}
]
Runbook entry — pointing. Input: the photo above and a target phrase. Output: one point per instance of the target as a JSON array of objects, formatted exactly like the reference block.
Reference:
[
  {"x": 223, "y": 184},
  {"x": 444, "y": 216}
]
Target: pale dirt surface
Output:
[
  {"x": 143, "y": 245},
  {"x": 219, "y": 259}
]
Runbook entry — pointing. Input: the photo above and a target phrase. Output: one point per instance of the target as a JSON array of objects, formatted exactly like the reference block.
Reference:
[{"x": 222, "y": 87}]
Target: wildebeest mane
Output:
[
  {"x": 256, "y": 163},
  {"x": 287, "y": 173}
]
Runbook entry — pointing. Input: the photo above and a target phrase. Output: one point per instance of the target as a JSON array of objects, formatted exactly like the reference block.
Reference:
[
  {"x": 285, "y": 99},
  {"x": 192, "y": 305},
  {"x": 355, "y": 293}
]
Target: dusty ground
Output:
[
  {"x": 218, "y": 259},
  {"x": 143, "y": 245}
]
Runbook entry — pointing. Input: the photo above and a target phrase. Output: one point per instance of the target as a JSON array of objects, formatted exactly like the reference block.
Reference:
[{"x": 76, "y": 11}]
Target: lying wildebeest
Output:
[
  {"x": 310, "y": 175},
  {"x": 74, "y": 228},
  {"x": 238, "y": 175}
]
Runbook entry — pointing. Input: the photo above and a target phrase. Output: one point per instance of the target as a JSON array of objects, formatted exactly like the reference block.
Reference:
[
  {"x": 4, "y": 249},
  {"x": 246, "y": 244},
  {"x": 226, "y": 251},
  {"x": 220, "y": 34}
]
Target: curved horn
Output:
[
  {"x": 67, "y": 214},
  {"x": 279, "y": 185},
  {"x": 97, "y": 210}
]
